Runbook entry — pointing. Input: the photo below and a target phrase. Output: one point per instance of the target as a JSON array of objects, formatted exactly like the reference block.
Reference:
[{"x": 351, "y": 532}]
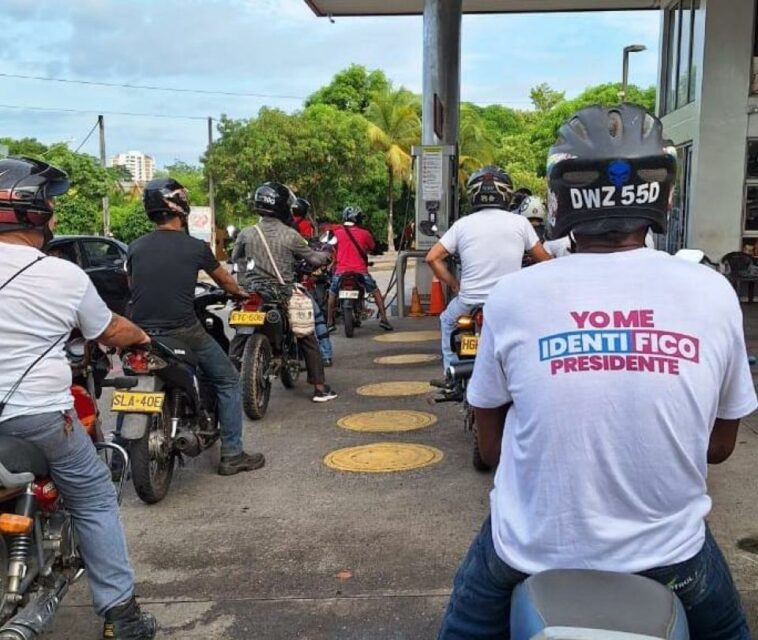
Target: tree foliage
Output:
[{"x": 351, "y": 89}]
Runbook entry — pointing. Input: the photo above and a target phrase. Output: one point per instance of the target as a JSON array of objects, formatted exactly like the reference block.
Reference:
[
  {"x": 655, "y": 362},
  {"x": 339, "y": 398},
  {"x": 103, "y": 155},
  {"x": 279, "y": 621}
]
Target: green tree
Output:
[
  {"x": 544, "y": 98},
  {"x": 475, "y": 144},
  {"x": 129, "y": 221},
  {"x": 394, "y": 128},
  {"x": 351, "y": 89}
]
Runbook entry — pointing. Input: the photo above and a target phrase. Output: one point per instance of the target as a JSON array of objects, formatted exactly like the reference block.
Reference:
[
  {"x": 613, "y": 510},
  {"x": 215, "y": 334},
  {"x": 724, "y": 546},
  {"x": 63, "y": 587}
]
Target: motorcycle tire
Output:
[
  {"x": 291, "y": 371},
  {"x": 256, "y": 385},
  {"x": 151, "y": 477},
  {"x": 479, "y": 463},
  {"x": 348, "y": 319}
]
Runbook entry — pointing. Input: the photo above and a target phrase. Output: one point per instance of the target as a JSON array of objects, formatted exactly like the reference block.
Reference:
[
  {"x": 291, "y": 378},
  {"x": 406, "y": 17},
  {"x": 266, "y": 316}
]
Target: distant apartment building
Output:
[{"x": 141, "y": 166}]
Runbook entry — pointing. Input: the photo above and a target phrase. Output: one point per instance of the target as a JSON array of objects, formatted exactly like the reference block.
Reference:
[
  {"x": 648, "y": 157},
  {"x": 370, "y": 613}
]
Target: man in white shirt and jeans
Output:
[
  {"x": 42, "y": 299},
  {"x": 604, "y": 385},
  {"x": 491, "y": 243}
]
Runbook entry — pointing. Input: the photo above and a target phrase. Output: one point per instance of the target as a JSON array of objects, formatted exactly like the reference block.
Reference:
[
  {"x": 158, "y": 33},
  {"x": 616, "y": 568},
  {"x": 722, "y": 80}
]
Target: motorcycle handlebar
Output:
[{"x": 460, "y": 371}]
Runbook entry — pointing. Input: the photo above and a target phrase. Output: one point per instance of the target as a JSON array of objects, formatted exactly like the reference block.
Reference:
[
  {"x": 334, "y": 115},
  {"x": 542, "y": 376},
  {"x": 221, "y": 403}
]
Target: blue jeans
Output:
[
  {"x": 480, "y": 604},
  {"x": 365, "y": 279},
  {"x": 84, "y": 481},
  {"x": 225, "y": 380},
  {"x": 322, "y": 334},
  {"x": 455, "y": 309}
]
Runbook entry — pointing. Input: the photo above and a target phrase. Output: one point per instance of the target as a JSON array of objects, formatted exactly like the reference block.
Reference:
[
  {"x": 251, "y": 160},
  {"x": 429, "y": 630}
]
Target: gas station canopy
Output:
[{"x": 337, "y": 8}]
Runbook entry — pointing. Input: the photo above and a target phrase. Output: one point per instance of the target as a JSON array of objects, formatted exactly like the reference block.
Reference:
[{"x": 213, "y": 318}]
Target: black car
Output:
[{"x": 104, "y": 260}]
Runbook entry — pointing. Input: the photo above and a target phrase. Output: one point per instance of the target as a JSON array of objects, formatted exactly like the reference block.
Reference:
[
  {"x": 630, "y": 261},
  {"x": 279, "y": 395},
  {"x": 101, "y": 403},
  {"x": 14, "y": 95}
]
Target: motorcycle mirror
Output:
[
  {"x": 329, "y": 238},
  {"x": 428, "y": 228},
  {"x": 691, "y": 255},
  {"x": 230, "y": 230}
]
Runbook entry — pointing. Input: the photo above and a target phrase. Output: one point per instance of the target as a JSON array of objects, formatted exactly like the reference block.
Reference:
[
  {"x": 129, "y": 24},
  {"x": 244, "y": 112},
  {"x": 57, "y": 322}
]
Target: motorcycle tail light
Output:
[
  {"x": 13, "y": 524},
  {"x": 347, "y": 284},
  {"x": 85, "y": 407},
  {"x": 46, "y": 494},
  {"x": 465, "y": 322},
  {"x": 136, "y": 362},
  {"x": 253, "y": 302}
]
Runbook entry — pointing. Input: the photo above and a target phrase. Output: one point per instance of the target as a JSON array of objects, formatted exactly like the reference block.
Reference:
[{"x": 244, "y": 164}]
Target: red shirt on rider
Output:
[{"x": 347, "y": 257}]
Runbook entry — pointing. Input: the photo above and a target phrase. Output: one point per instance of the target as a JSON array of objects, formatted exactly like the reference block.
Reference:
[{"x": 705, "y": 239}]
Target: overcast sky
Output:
[{"x": 271, "y": 47}]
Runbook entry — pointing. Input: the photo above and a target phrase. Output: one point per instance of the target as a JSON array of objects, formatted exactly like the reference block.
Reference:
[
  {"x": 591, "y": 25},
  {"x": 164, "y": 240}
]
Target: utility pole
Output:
[
  {"x": 106, "y": 205},
  {"x": 211, "y": 194}
]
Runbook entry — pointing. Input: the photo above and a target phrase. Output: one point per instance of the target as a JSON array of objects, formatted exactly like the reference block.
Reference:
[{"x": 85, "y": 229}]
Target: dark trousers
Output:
[
  {"x": 480, "y": 604},
  {"x": 314, "y": 365}
]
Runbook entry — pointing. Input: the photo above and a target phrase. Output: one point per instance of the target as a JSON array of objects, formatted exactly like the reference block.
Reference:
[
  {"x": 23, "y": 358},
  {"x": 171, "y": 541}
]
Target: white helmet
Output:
[{"x": 533, "y": 207}]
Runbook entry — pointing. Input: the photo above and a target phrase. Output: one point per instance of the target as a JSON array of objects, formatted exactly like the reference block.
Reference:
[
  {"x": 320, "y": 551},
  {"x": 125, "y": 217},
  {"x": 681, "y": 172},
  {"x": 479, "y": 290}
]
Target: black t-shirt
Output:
[{"x": 163, "y": 267}]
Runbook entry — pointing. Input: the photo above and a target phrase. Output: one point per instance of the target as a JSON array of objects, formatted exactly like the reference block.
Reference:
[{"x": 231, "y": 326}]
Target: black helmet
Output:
[
  {"x": 352, "y": 214},
  {"x": 611, "y": 169},
  {"x": 489, "y": 187},
  {"x": 165, "y": 198},
  {"x": 301, "y": 208},
  {"x": 26, "y": 190},
  {"x": 274, "y": 199}
]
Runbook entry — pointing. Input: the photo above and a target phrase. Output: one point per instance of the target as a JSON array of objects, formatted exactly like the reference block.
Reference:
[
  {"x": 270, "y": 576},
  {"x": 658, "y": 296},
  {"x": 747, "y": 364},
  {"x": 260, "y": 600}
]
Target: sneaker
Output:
[
  {"x": 331, "y": 328},
  {"x": 385, "y": 324},
  {"x": 231, "y": 465},
  {"x": 127, "y": 622},
  {"x": 324, "y": 395},
  {"x": 327, "y": 362},
  {"x": 441, "y": 383}
]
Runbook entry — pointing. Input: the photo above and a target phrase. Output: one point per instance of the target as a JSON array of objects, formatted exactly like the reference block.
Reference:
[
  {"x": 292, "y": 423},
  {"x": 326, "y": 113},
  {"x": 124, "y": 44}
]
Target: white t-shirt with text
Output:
[
  {"x": 47, "y": 301},
  {"x": 617, "y": 366},
  {"x": 491, "y": 243}
]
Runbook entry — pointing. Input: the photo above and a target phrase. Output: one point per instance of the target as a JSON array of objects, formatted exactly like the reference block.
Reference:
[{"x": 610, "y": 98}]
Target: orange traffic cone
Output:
[
  {"x": 437, "y": 298},
  {"x": 417, "y": 311}
]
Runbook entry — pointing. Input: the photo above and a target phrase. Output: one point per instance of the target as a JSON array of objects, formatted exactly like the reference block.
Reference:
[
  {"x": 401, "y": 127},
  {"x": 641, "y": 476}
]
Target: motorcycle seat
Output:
[
  {"x": 566, "y": 604},
  {"x": 180, "y": 350},
  {"x": 21, "y": 456}
]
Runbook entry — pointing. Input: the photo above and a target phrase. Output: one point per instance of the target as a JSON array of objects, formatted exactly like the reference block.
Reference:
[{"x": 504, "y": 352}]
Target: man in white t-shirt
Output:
[
  {"x": 490, "y": 242},
  {"x": 604, "y": 385},
  {"x": 43, "y": 299}
]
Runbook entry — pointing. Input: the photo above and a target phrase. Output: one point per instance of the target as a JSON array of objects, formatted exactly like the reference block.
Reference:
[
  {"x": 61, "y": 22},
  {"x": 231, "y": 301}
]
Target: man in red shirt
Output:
[
  {"x": 354, "y": 243},
  {"x": 300, "y": 220}
]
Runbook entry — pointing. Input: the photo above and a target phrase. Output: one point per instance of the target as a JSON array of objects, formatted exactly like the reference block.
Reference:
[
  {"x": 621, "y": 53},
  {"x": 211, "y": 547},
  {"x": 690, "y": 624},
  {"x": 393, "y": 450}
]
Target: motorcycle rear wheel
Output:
[
  {"x": 348, "y": 319},
  {"x": 476, "y": 458},
  {"x": 291, "y": 369},
  {"x": 256, "y": 386},
  {"x": 153, "y": 466}
]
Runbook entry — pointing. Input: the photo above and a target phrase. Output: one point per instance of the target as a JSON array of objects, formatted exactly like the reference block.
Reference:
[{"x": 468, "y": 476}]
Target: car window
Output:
[
  {"x": 101, "y": 253},
  {"x": 64, "y": 250}
]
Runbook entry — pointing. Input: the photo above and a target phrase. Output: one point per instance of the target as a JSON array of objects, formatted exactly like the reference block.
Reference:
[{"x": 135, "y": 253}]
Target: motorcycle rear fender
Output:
[
  {"x": 134, "y": 425},
  {"x": 245, "y": 331}
]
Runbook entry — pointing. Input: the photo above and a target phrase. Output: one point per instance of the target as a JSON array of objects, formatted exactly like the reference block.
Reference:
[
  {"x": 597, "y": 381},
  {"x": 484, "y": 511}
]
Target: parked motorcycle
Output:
[
  {"x": 352, "y": 302},
  {"x": 270, "y": 348},
  {"x": 171, "y": 411},
  {"x": 39, "y": 557}
]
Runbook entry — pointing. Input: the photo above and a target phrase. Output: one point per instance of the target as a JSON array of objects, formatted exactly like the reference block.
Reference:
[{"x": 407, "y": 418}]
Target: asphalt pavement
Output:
[{"x": 300, "y": 551}]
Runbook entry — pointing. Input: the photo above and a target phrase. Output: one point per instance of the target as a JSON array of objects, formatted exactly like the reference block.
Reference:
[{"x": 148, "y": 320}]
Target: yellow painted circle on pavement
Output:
[
  {"x": 404, "y": 388},
  {"x": 408, "y": 336},
  {"x": 387, "y": 421},
  {"x": 383, "y": 457},
  {"x": 408, "y": 358}
]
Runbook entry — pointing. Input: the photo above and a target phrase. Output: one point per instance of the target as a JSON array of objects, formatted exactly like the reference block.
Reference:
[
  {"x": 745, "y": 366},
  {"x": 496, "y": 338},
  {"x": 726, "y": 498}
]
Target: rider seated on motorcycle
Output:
[
  {"x": 42, "y": 300},
  {"x": 163, "y": 267},
  {"x": 354, "y": 243},
  {"x": 519, "y": 195},
  {"x": 302, "y": 224},
  {"x": 534, "y": 210},
  {"x": 274, "y": 202},
  {"x": 604, "y": 441},
  {"x": 491, "y": 243}
]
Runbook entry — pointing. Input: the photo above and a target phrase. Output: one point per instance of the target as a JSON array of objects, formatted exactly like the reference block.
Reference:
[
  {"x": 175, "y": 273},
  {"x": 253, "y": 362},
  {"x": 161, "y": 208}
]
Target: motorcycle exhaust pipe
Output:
[
  {"x": 187, "y": 443},
  {"x": 31, "y": 621},
  {"x": 460, "y": 371}
]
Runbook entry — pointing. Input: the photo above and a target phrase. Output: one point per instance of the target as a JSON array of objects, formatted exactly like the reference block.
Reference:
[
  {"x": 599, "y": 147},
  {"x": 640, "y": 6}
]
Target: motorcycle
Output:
[
  {"x": 464, "y": 341},
  {"x": 171, "y": 411},
  {"x": 579, "y": 603},
  {"x": 39, "y": 555},
  {"x": 269, "y": 348},
  {"x": 352, "y": 306}
]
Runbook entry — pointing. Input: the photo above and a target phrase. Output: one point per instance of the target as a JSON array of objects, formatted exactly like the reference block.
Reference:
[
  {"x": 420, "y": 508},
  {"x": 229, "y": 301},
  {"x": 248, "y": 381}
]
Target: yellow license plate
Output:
[
  {"x": 469, "y": 345},
  {"x": 137, "y": 401},
  {"x": 247, "y": 318}
]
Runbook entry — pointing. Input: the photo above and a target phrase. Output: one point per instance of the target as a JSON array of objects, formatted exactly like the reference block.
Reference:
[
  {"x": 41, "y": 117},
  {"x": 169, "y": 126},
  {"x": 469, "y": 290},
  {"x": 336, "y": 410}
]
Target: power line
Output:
[
  {"x": 82, "y": 143},
  {"x": 106, "y": 113},
  {"x": 148, "y": 87}
]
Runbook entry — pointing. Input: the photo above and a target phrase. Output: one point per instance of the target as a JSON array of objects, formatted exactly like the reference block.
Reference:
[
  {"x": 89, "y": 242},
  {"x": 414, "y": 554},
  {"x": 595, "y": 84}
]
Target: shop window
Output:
[
  {"x": 676, "y": 237},
  {"x": 750, "y": 216},
  {"x": 680, "y": 47}
]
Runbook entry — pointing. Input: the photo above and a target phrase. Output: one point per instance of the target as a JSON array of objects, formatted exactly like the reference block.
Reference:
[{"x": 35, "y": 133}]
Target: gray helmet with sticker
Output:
[
  {"x": 610, "y": 169},
  {"x": 534, "y": 208}
]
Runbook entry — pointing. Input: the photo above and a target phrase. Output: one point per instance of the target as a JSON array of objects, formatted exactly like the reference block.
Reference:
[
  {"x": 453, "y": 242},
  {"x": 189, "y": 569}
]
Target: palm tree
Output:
[
  {"x": 475, "y": 147},
  {"x": 394, "y": 127}
]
